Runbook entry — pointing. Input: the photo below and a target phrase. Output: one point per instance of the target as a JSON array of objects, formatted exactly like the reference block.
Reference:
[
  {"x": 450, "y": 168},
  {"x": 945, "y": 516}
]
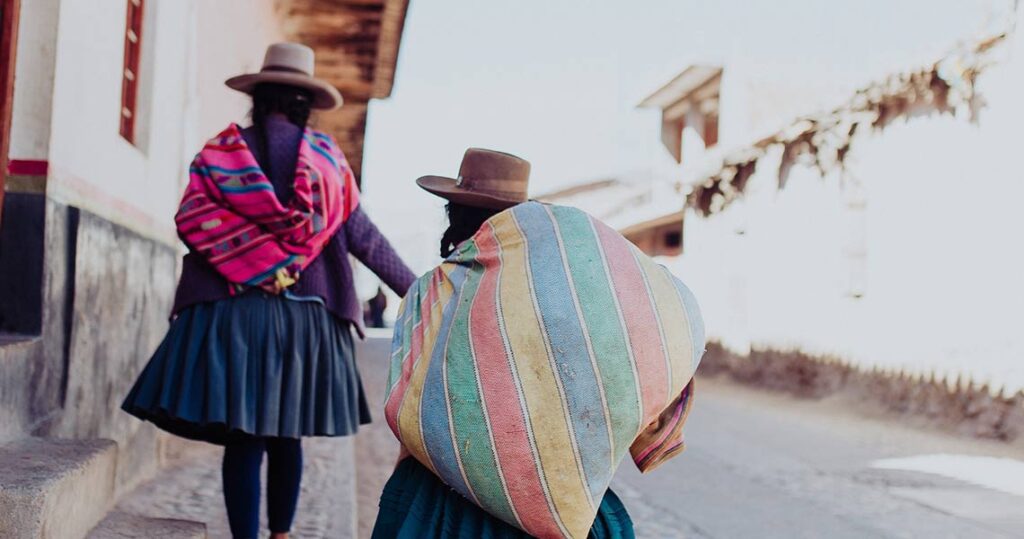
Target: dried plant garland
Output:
[{"x": 824, "y": 141}]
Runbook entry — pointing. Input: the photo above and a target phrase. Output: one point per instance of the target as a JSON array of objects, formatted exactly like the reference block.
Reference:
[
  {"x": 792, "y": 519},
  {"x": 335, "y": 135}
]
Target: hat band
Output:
[
  {"x": 285, "y": 69},
  {"x": 491, "y": 191}
]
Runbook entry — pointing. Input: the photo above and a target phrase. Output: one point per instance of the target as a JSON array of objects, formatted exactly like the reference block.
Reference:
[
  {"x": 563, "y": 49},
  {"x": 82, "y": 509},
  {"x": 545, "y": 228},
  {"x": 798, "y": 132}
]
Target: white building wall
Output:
[
  {"x": 941, "y": 278},
  {"x": 224, "y": 54},
  {"x": 132, "y": 186},
  {"x": 33, "y": 75},
  {"x": 186, "y": 55}
]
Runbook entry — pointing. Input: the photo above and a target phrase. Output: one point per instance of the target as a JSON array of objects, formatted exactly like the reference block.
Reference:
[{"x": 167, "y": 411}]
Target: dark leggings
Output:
[{"x": 241, "y": 474}]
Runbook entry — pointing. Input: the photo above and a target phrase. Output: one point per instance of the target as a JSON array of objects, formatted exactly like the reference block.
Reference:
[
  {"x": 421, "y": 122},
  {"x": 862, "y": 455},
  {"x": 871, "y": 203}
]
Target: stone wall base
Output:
[{"x": 958, "y": 405}]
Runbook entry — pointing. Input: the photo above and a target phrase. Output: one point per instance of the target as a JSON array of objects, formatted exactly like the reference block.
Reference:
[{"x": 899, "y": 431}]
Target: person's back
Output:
[
  {"x": 527, "y": 364},
  {"x": 259, "y": 352}
]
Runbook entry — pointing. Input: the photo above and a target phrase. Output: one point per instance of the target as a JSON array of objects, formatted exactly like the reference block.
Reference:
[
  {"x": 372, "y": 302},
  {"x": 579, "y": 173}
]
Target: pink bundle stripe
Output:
[{"x": 231, "y": 215}]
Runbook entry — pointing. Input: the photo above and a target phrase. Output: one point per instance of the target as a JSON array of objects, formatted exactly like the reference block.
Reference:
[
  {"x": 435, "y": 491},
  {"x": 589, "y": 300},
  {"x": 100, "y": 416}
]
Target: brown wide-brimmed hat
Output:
[
  {"x": 290, "y": 64},
  {"x": 487, "y": 179}
]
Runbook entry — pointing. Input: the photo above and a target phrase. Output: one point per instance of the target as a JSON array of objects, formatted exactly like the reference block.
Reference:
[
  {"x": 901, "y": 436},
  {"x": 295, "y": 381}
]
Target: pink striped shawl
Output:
[{"x": 231, "y": 216}]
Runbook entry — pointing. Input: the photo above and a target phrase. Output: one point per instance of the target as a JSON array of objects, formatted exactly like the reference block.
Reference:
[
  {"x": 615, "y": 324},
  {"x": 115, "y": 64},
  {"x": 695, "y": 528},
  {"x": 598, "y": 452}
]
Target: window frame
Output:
[
  {"x": 672, "y": 136},
  {"x": 10, "y": 13},
  {"x": 710, "y": 134},
  {"x": 128, "y": 120}
]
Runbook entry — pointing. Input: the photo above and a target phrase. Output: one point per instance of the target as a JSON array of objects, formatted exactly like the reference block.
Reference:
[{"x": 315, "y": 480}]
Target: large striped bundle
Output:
[{"x": 526, "y": 365}]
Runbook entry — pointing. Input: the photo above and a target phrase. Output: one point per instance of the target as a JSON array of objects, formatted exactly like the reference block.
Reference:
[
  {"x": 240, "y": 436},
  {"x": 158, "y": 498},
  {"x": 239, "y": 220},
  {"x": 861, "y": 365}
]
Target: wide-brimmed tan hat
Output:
[
  {"x": 487, "y": 179},
  {"x": 291, "y": 64}
]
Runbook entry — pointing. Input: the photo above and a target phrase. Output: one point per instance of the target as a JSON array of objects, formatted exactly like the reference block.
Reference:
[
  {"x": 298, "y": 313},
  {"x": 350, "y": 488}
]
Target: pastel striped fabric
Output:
[
  {"x": 527, "y": 364},
  {"x": 230, "y": 214}
]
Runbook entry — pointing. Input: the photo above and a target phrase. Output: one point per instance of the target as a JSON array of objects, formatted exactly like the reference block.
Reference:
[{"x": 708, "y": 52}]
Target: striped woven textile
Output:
[
  {"x": 230, "y": 214},
  {"x": 526, "y": 365}
]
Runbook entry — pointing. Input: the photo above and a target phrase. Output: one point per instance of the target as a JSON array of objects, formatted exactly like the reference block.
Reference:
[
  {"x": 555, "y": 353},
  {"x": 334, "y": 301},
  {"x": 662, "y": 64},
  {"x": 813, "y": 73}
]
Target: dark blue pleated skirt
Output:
[
  {"x": 252, "y": 365},
  {"x": 417, "y": 505}
]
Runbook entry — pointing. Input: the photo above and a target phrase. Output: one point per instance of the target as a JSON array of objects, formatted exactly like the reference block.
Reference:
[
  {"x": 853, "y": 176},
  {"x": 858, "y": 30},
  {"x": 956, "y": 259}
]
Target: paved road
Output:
[{"x": 766, "y": 465}]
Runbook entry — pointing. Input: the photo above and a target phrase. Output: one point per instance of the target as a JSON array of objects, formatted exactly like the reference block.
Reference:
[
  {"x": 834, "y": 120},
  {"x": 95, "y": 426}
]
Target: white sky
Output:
[{"x": 557, "y": 81}]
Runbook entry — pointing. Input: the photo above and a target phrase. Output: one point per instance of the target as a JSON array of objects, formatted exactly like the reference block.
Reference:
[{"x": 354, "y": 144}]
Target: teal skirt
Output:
[
  {"x": 416, "y": 504},
  {"x": 252, "y": 365}
]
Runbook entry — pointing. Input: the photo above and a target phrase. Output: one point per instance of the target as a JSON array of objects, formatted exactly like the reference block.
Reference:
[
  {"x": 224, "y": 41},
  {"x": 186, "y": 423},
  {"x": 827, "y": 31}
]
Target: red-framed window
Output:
[
  {"x": 130, "y": 75},
  {"x": 9, "y": 10}
]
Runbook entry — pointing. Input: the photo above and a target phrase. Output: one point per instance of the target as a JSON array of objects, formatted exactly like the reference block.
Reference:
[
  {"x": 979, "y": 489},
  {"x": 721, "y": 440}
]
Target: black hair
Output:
[
  {"x": 293, "y": 102},
  {"x": 463, "y": 222}
]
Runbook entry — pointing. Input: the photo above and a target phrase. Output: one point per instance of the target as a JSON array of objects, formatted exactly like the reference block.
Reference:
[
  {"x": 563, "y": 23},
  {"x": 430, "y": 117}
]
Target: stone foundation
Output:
[{"x": 104, "y": 295}]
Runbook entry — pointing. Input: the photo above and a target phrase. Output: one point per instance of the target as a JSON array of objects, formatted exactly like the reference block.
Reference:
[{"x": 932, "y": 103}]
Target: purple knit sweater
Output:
[{"x": 329, "y": 276}]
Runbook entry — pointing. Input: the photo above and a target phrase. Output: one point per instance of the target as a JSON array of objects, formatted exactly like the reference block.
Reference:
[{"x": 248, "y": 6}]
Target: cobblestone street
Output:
[
  {"x": 191, "y": 490},
  {"x": 376, "y": 449}
]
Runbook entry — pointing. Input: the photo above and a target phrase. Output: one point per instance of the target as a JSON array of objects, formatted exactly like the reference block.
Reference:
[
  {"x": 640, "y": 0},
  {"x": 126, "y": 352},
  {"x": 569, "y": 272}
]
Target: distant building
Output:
[
  {"x": 102, "y": 106},
  {"x": 644, "y": 210},
  {"x": 689, "y": 106},
  {"x": 879, "y": 228},
  {"x": 648, "y": 208},
  {"x": 883, "y": 231}
]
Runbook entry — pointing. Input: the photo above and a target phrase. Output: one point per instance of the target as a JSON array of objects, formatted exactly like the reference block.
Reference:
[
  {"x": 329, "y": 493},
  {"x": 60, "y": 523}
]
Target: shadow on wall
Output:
[{"x": 959, "y": 405}]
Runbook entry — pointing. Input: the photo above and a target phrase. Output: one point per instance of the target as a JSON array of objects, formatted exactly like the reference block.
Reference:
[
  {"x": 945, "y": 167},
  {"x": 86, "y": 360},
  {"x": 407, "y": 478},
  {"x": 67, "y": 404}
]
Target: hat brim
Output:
[
  {"x": 325, "y": 96},
  {"x": 448, "y": 188}
]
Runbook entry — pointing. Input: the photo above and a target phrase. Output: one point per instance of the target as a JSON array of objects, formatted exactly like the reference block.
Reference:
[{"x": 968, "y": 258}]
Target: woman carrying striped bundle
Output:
[{"x": 524, "y": 368}]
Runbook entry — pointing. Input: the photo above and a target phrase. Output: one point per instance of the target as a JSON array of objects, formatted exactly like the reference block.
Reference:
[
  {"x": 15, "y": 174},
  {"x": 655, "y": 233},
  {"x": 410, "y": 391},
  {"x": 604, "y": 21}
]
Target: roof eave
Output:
[
  {"x": 681, "y": 86},
  {"x": 389, "y": 45},
  {"x": 657, "y": 222}
]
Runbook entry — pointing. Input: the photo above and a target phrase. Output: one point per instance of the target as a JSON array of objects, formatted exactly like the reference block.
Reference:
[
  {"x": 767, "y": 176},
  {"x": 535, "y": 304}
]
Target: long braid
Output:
[
  {"x": 463, "y": 223},
  {"x": 293, "y": 102}
]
